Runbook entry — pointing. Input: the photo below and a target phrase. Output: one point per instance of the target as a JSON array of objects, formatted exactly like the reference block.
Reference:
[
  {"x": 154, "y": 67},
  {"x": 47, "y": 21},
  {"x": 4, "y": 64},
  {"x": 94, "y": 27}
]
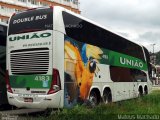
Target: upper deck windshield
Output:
[{"x": 32, "y": 20}]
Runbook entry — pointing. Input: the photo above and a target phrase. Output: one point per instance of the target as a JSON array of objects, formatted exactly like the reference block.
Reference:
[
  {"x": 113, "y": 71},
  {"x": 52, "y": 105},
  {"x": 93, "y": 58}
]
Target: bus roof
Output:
[
  {"x": 86, "y": 19},
  {"x": 95, "y": 23}
]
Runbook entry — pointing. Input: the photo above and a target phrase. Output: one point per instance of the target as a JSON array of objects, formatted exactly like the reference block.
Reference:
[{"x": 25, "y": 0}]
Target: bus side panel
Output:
[
  {"x": 58, "y": 61},
  {"x": 3, "y": 94},
  {"x": 81, "y": 67},
  {"x": 72, "y": 67},
  {"x": 3, "y": 91}
]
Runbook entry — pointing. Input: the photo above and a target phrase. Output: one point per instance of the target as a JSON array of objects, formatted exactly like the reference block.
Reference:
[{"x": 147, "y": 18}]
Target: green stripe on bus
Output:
[
  {"x": 118, "y": 59},
  {"x": 31, "y": 81}
]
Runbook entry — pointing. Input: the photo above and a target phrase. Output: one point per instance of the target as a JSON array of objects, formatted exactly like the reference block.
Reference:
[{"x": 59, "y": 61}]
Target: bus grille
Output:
[{"x": 30, "y": 61}]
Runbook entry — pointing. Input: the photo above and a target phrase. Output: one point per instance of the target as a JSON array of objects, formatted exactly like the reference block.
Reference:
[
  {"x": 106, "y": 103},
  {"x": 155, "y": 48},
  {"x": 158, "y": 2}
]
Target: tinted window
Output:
[
  {"x": 84, "y": 31},
  {"x": 32, "y": 20},
  {"x": 121, "y": 74}
]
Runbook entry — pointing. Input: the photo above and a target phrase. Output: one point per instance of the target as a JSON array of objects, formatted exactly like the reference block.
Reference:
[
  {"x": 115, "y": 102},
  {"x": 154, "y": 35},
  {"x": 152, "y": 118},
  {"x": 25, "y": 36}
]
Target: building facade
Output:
[{"x": 8, "y": 7}]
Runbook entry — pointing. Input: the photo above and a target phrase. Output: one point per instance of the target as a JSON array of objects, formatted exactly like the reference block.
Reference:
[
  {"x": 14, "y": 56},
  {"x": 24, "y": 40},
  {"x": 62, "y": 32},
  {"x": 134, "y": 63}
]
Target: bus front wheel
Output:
[{"x": 93, "y": 98}]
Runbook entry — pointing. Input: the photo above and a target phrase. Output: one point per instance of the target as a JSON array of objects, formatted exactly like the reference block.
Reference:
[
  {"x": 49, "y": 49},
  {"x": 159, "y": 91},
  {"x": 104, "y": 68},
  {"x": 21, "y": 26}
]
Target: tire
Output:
[
  {"x": 107, "y": 96},
  {"x": 145, "y": 91},
  {"x": 140, "y": 92},
  {"x": 93, "y": 99}
]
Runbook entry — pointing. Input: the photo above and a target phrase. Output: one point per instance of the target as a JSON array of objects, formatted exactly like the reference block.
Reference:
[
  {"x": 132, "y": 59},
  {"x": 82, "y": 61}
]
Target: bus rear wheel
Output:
[
  {"x": 140, "y": 91},
  {"x": 145, "y": 90},
  {"x": 107, "y": 96}
]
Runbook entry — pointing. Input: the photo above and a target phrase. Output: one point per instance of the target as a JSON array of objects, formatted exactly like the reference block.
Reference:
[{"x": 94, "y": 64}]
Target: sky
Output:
[{"x": 137, "y": 20}]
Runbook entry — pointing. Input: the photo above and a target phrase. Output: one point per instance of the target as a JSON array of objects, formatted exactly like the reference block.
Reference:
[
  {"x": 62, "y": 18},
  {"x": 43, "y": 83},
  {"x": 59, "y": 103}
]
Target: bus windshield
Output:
[{"x": 31, "y": 20}]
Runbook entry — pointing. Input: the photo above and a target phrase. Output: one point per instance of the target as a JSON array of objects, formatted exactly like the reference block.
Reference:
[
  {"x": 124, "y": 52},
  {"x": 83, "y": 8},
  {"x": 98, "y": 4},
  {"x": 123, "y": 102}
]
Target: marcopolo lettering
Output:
[
  {"x": 133, "y": 63},
  {"x": 29, "y": 36}
]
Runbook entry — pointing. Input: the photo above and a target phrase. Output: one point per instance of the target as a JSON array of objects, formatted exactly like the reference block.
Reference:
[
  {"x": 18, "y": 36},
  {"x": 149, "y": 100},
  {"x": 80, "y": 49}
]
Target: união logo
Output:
[
  {"x": 129, "y": 62},
  {"x": 29, "y": 36}
]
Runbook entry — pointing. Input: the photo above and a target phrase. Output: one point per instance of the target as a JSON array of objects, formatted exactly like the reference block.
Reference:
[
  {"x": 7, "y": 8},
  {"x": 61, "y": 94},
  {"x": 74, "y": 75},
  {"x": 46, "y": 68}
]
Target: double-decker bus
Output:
[
  {"x": 57, "y": 58},
  {"x": 3, "y": 90}
]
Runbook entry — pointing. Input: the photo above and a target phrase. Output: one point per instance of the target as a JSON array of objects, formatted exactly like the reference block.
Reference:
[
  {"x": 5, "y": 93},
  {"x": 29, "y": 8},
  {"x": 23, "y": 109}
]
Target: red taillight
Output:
[
  {"x": 56, "y": 83},
  {"x": 7, "y": 82}
]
